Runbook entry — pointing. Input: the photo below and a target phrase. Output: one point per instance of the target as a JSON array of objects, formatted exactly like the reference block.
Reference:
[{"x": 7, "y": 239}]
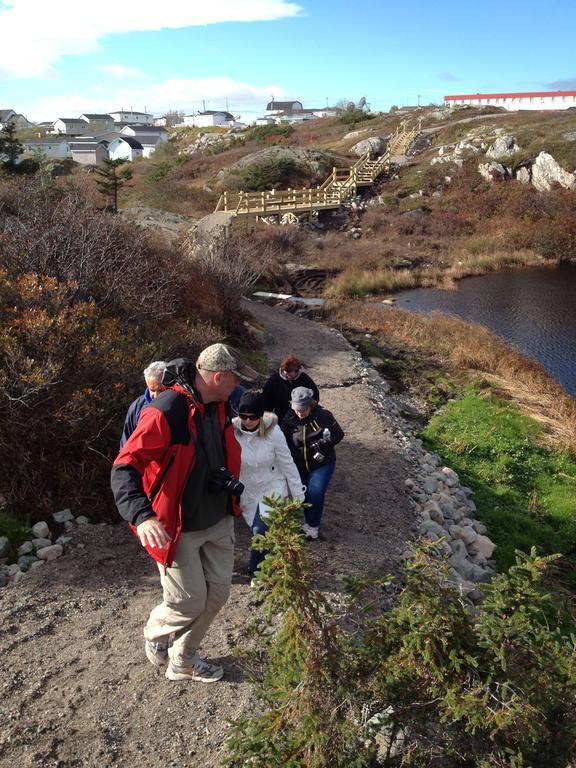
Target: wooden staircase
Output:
[{"x": 338, "y": 187}]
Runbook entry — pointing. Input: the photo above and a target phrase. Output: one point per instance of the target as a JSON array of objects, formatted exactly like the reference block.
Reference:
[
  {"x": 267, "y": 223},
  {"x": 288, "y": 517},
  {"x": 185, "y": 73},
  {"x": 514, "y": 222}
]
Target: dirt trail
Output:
[{"x": 77, "y": 689}]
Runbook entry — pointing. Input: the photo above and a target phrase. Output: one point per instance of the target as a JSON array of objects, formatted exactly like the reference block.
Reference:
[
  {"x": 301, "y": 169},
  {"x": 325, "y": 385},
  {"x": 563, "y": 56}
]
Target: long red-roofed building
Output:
[{"x": 535, "y": 100}]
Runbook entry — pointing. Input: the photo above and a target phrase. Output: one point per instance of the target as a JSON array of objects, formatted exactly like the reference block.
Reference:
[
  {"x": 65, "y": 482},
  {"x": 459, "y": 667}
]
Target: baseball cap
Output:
[{"x": 222, "y": 357}]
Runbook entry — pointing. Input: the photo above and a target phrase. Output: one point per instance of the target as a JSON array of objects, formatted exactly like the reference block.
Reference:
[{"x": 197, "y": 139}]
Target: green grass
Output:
[
  {"x": 524, "y": 492},
  {"x": 13, "y": 529}
]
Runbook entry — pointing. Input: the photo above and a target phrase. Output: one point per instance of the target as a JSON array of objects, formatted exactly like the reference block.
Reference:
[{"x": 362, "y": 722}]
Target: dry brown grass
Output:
[{"x": 476, "y": 351}]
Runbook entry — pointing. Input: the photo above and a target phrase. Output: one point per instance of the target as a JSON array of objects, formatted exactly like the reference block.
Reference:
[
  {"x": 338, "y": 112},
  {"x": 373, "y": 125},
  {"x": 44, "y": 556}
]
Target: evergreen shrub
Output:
[{"x": 430, "y": 682}]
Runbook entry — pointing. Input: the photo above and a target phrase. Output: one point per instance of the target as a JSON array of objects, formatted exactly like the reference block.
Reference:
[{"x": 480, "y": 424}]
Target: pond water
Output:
[{"x": 533, "y": 309}]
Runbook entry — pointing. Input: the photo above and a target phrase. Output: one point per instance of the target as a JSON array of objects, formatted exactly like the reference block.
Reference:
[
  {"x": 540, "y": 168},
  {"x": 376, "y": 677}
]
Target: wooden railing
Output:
[{"x": 338, "y": 187}]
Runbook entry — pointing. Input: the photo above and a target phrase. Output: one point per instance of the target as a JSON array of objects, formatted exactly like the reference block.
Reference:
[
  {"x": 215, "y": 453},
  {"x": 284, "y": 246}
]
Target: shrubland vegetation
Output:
[
  {"x": 427, "y": 683},
  {"x": 86, "y": 302}
]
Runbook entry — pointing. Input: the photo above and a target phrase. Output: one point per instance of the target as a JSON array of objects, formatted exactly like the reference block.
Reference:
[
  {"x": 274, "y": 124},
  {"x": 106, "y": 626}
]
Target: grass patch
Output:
[
  {"x": 524, "y": 490},
  {"x": 13, "y": 529}
]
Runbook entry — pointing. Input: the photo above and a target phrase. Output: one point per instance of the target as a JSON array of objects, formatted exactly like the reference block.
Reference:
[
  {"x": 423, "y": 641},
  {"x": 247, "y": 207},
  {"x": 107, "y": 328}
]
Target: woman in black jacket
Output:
[
  {"x": 311, "y": 433},
  {"x": 279, "y": 386}
]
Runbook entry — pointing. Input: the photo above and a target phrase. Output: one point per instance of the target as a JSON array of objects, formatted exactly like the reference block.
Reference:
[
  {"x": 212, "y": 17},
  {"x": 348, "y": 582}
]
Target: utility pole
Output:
[{"x": 418, "y": 99}]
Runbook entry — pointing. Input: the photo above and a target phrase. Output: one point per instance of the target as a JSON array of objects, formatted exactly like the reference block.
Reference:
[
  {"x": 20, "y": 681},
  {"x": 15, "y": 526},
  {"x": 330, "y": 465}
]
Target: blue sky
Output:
[{"x": 64, "y": 58}]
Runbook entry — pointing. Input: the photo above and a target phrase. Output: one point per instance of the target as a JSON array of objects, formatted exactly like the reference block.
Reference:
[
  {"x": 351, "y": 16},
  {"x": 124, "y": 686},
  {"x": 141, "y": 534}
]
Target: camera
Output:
[
  {"x": 317, "y": 456},
  {"x": 222, "y": 479}
]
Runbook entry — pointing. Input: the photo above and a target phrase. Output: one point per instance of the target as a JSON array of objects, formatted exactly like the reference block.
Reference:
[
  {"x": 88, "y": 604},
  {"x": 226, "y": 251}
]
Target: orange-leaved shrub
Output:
[{"x": 86, "y": 302}]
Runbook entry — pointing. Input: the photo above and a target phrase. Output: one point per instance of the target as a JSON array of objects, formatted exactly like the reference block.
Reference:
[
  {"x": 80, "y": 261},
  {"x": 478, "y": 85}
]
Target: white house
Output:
[
  {"x": 98, "y": 122},
  {"x": 53, "y": 149},
  {"x": 148, "y": 136},
  {"x": 538, "y": 101},
  {"x": 72, "y": 126},
  {"x": 125, "y": 148},
  {"x": 89, "y": 151},
  {"x": 210, "y": 118},
  {"x": 126, "y": 116}
]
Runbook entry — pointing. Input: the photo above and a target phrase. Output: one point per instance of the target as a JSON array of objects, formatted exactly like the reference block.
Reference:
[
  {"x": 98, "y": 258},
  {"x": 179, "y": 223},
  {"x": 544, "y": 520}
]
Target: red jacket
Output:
[{"x": 151, "y": 470}]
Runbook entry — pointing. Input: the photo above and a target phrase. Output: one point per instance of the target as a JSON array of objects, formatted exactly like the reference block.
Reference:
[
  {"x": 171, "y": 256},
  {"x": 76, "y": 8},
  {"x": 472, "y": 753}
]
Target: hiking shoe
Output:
[
  {"x": 157, "y": 653},
  {"x": 310, "y": 532},
  {"x": 198, "y": 670}
]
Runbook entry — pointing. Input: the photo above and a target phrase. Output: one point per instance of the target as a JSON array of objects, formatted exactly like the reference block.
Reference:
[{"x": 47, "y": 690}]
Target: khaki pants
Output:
[{"x": 194, "y": 589}]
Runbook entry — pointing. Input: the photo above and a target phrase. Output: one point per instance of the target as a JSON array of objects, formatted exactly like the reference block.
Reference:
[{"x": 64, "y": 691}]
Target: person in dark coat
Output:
[
  {"x": 153, "y": 378},
  {"x": 311, "y": 433},
  {"x": 278, "y": 388}
]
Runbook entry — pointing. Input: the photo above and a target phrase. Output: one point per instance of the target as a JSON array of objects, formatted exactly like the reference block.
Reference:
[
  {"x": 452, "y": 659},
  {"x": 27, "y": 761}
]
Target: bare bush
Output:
[
  {"x": 57, "y": 233},
  {"x": 230, "y": 264}
]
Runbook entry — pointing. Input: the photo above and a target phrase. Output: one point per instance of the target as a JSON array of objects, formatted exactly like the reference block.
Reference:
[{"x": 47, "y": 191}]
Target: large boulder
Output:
[
  {"x": 314, "y": 165},
  {"x": 503, "y": 146},
  {"x": 546, "y": 172},
  {"x": 374, "y": 144}
]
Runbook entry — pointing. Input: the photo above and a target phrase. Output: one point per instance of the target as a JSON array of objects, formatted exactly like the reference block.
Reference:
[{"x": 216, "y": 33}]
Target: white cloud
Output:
[
  {"x": 119, "y": 70},
  {"x": 186, "y": 95},
  {"x": 35, "y": 35}
]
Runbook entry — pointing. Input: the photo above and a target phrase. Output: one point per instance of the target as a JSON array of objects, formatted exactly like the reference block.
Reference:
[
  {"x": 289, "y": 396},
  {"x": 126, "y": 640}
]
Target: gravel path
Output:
[{"x": 77, "y": 689}]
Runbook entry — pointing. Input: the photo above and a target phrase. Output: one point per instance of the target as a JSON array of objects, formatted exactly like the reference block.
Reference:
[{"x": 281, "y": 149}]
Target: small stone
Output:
[
  {"x": 26, "y": 548},
  {"x": 434, "y": 511},
  {"x": 18, "y": 576},
  {"x": 24, "y": 561},
  {"x": 4, "y": 546},
  {"x": 12, "y": 569},
  {"x": 41, "y": 530},
  {"x": 479, "y": 527},
  {"x": 35, "y": 565},
  {"x": 41, "y": 543},
  {"x": 69, "y": 525},
  {"x": 63, "y": 540},
  {"x": 429, "y": 526},
  {"x": 82, "y": 520},
  {"x": 459, "y": 549},
  {"x": 483, "y": 546},
  {"x": 430, "y": 485},
  {"x": 63, "y": 516},
  {"x": 50, "y": 553},
  {"x": 468, "y": 534}
]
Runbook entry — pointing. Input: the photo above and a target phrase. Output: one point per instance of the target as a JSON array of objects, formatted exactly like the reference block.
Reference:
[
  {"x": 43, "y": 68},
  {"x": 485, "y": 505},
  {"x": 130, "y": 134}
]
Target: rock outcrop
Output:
[
  {"x": 546, "y": 172},
  {"x": 503, "y": 147}
]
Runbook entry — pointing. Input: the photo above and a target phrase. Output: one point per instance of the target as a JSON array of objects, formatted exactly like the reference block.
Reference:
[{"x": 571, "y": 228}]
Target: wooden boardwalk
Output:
[{"x": 338, "y": 187}]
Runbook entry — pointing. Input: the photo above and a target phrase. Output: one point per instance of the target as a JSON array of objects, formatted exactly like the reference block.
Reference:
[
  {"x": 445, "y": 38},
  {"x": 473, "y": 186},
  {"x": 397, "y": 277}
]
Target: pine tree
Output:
[
  {"x": 112, "y": 178},
  {"x": 10, "y": 146}
]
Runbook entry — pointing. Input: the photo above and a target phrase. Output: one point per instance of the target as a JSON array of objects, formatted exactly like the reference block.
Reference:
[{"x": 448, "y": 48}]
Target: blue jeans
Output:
[
  {"x": 317, "y": 482},
  {"x": 258, "y": 526}
]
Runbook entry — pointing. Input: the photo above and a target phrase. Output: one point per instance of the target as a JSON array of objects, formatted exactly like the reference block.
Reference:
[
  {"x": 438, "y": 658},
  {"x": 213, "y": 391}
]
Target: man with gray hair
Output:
[{"x": 153, "y": 378}]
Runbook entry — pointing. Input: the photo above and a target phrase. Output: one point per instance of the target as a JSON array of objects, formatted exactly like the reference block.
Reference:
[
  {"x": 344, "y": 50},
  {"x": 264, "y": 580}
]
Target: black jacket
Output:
[
  {"x": 305, "y": 438},
  {"x": 277, "y": 391}
]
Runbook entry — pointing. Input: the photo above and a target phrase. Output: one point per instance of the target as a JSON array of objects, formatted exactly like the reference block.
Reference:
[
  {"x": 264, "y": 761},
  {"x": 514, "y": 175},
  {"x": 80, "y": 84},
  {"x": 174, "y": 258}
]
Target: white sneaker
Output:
[
  {"x": 310, "y": 532},
  {"x": 198, "y": 670}
]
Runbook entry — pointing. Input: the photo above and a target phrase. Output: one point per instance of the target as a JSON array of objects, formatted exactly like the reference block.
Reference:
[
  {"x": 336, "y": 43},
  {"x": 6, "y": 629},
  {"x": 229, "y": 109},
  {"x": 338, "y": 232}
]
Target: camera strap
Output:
[{"x": 199, "y": 440}]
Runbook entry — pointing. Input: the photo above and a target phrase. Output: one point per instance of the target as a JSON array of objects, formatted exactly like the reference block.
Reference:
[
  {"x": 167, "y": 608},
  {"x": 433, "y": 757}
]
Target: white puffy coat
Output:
[{"x": 266, "y": 466}]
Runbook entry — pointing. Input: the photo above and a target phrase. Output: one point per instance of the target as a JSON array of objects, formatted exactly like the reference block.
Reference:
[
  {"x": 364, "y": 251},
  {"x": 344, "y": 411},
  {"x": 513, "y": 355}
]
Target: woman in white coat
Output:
[{"x": 266, "y": 468}]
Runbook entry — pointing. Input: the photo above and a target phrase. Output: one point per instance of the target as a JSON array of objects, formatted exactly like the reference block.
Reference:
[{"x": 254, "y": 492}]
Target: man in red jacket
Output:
[{"x": 176, "y": 482}]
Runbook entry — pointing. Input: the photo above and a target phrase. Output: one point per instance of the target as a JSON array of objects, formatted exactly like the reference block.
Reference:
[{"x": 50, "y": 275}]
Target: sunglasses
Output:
[{"x": 248, "y": 417}]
